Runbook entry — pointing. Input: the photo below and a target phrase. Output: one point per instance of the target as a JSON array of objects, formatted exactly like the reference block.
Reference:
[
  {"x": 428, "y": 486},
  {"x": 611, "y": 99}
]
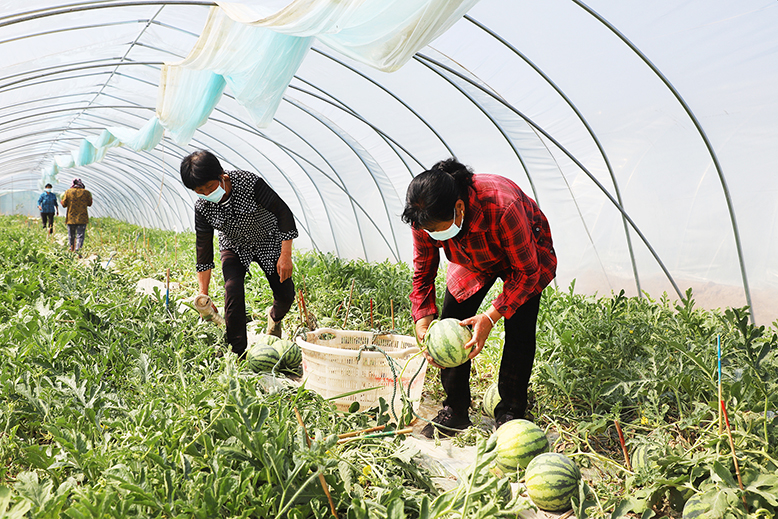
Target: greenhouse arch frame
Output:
[{"x": 645, "y": 132}]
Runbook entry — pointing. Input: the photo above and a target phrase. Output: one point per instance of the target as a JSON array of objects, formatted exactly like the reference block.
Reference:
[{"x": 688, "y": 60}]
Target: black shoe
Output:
[
  {"x": 505, "y": 417},
  {"x": 447, "y": 423}
]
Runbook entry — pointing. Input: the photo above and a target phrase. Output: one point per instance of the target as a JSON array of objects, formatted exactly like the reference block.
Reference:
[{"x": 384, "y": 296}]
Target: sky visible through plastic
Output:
[{"x": 644, "y": 131}]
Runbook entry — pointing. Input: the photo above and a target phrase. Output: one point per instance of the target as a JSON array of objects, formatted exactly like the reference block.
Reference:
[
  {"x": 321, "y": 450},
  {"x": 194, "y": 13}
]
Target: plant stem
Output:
[
  {"x": 351, "y": 293},
  {"x": 321, "y": 475}
]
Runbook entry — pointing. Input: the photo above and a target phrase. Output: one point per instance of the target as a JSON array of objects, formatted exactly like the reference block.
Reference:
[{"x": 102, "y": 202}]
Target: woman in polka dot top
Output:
[{"x": 254, "y": 224}]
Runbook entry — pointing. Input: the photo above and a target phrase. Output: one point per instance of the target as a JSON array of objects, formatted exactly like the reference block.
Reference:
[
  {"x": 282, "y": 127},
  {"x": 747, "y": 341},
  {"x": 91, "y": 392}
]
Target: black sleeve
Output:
[
  {"x": 203, "y": 243},
  {"x": 269, "y": 199}
]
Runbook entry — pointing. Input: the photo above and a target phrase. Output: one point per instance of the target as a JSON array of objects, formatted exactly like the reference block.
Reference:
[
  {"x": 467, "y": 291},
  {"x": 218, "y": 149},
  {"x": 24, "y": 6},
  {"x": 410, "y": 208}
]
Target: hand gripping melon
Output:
[
  {"x": 552, "y": 480},
  {"x": 518, "y": 442},
  {"x": 445, "y": 340},
  {"x": 491, "y": 399}
]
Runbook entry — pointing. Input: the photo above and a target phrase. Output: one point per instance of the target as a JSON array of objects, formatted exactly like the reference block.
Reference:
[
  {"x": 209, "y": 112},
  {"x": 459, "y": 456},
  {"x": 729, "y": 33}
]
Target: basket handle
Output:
[{"x": 319, "y": 331}]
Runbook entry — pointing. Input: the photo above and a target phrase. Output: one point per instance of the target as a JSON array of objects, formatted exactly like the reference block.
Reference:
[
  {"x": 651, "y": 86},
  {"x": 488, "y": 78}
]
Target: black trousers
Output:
[
  {"x": 517, "y": 357},
  {"x": 47, "y": 217},
  {"x": 235, "y": 299}
]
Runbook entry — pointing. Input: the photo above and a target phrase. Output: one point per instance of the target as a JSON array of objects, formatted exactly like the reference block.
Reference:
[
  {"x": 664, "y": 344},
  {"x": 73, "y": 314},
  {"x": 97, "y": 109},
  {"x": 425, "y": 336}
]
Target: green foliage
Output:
[
  {"x": 652, "y": 365},
  {"x": 115, "y": 404}
]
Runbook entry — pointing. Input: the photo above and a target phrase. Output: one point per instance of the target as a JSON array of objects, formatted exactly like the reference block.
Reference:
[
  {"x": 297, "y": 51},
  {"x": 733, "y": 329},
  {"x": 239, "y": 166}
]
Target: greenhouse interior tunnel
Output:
[{"x": 646, "y": 131}]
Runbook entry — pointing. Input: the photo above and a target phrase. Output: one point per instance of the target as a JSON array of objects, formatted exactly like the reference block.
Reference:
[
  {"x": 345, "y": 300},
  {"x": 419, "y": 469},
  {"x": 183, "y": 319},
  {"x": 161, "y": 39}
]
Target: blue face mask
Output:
[
  {"x": 448, "y": 233},
  {"x": 214, "y": 196},
  {"x": 48, "y": 190}
]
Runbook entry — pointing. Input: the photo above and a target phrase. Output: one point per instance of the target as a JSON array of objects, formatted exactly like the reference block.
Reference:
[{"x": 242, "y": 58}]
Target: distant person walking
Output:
[
  {"x": 48, "y": 205},
  {"x": 76, "y": 199}
]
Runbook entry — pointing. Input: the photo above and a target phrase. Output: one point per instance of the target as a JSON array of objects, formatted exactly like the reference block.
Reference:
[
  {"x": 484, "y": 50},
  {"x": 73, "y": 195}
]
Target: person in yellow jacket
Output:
[{"x": 76, "y": 200}]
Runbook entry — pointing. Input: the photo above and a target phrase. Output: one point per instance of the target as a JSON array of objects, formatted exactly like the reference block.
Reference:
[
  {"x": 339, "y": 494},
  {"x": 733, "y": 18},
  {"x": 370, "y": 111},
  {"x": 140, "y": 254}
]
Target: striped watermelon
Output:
[
  {"x": 290, "y": 353},
  {"x": 518, "y": 442},
  {"x": 697, "y": 508},
  {"x": 491, "y": 399},
  {"x": 645, "y": 455},
  {"x": 266, "y": 339},
  {"x": 262, "y": 358},
  {"x": 552, "y": 480},
  {"x": 504, "y": 491},
  {"x": 445, "y": 340}
]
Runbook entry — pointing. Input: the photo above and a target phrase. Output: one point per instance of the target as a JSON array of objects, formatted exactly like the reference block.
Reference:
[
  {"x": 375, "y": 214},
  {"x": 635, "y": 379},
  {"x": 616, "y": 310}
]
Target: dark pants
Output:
[
  {"x": 48, "y": 218},
  {"x": 76, "y": 234},
  {"x": 235, "y": 299},
  {"x": 517, "y": 357}
]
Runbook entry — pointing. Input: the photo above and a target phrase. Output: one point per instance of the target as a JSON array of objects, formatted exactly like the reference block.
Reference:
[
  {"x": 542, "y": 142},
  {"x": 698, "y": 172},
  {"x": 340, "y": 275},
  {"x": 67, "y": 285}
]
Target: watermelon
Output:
[
  {"x": 696, "y": 508},
  {"x": 504, "y": 491},
  {"x": 518, "y": 442},
  {"x": 645, "y": 455},
  {"x": 290, "y": 354},
  {"x": 266, "y": 339},
  {"x": 445, "y": 340},
  {"x": 262, "y": 358},
  {"x": 491, "y": 399},
  {"x": 552, "y": 480}
]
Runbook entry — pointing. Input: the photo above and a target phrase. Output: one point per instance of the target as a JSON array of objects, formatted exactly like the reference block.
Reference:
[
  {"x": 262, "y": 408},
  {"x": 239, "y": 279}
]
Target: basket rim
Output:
[{"x": 353, "y": 353}]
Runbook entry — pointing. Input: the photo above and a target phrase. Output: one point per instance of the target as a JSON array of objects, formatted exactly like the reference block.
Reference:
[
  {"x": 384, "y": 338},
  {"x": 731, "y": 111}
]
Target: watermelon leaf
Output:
[
  {"x": 766, "y": 486},
  {"x": 719, "y": 473},
  {"x": 583, "y": 500},
  {"x": 629, "y": 505}
]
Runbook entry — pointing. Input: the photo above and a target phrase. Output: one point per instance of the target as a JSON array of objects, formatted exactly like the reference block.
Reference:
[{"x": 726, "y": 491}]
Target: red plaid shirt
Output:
[{"x": 504, "y": 235}]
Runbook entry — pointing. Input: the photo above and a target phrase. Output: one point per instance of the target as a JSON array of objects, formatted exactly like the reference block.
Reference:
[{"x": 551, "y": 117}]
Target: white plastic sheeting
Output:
[{"x": 645, "y": 131}]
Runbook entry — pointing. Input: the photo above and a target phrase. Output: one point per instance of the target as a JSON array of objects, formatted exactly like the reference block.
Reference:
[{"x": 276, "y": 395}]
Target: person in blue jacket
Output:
[{"x": 48, "y": 205}]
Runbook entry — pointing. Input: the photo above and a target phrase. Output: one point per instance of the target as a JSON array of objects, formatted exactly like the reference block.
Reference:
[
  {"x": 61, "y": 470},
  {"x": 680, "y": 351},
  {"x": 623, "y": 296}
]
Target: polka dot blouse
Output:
[{"x": 252, "y": 223}]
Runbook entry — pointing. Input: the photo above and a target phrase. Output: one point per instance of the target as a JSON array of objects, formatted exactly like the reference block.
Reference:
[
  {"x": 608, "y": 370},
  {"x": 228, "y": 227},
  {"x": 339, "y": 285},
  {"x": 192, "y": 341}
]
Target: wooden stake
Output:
[
  {"x": 721, "y": 397},
  {"x": 300, "y": 307},
  {"x": 351, "y": 293},
  {"x": 391, "y": 304},
  {"x": 623, "y": 445},
  {"x": 321, "y": 476},
  {"x": 305, "y": 308},
  {"x": 363, "y": 431},
  {"x": 734, "y": 456}
]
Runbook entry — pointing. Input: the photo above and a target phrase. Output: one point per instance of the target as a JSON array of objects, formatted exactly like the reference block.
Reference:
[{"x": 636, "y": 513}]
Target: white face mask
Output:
[
  {"x": 214, "y": 196},
  {"x": 449, "y": 233}
]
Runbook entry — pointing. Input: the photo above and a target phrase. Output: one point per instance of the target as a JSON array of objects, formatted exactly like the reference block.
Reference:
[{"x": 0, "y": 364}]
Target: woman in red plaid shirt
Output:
[{"x": 488, "y": 229}]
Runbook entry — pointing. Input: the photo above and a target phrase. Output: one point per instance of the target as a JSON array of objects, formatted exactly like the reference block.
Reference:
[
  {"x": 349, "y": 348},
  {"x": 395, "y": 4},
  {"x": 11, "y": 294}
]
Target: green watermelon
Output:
[
  {"x": 645, "y": 455},
  {"x": 491, "y": 399},
  {"x": 290, "y": 353},
  {"x": 445, "y": 340},
  {"x": 518, "y": 442},
  {"x": 266, "y": 339},
  {"x": 552, "y": 480},
  {"x": 262, "y": 358},
  {"x": 696, "y": 508},
  {"x": 504, "y": 491}
]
